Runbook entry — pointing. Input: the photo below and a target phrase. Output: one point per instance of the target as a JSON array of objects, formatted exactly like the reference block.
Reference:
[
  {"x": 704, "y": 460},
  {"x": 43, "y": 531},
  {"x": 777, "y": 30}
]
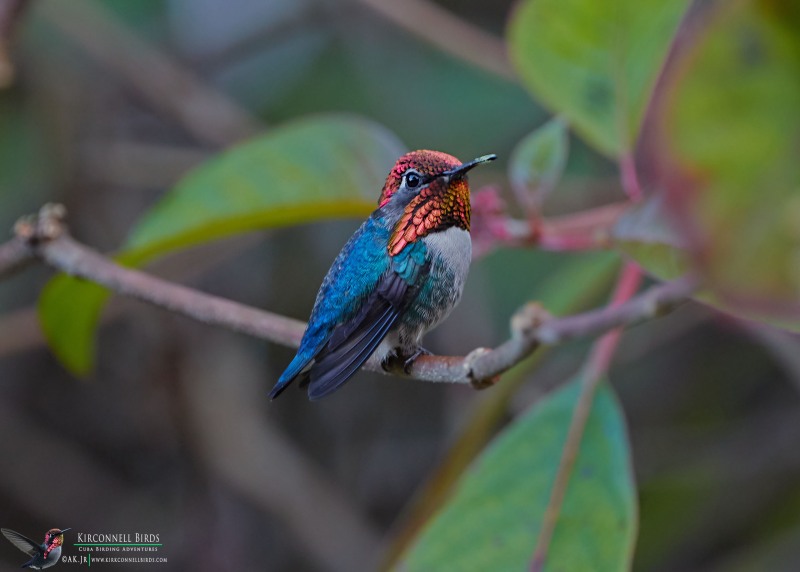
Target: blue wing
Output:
[{"x": 363, "y": 296}]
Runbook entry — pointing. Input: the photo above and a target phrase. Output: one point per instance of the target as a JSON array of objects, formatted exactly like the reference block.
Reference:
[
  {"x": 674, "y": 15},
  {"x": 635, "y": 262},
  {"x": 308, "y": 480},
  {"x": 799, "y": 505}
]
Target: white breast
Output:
[
  {"x": 449, "y": 253},
  {"x": 454, "y": 247}
]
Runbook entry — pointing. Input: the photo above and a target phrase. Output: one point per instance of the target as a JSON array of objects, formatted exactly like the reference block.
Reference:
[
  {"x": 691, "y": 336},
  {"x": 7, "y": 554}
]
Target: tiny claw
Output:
[
  {"x": 408, "y": 364},
  {"x": 397, "y": 359},
  {"x": 388, "y": 363}
]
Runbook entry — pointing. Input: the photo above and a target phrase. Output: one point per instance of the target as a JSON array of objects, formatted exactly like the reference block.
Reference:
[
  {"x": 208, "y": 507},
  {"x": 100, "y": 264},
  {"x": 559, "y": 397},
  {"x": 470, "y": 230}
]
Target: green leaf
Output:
[
  {"x": 645, "y": 233},
  {"x": 69, "y": 326},
  {"x": 494, "y": 518},
  {"x": 538, "y": 161},
  {"x": 595, "y": 62},
  {"x": 734, "y": 126},
  {"x": 325, "y": 167},
  {"x": 571, "y": 284},
  {"x": 311, "y": 169}
]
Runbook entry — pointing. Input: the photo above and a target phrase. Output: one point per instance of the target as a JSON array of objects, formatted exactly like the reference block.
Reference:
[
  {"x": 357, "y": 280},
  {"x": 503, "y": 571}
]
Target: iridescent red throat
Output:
[{"x": 435, "y": 208}]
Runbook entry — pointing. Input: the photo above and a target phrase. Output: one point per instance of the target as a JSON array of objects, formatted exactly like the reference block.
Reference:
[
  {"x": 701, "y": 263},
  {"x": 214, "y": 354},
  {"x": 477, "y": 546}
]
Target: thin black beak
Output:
[
  {"x": 464, "y": 167},
  {"x": 64, "y": 530}
]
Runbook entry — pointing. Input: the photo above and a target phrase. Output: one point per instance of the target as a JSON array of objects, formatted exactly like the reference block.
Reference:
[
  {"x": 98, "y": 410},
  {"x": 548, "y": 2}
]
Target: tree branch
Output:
[
  {"x": 69, "y": 256},
  {"x": 585, "y": 230},
  {"x": 46, "y": 238},
  {"x": 14, "y": 255}
]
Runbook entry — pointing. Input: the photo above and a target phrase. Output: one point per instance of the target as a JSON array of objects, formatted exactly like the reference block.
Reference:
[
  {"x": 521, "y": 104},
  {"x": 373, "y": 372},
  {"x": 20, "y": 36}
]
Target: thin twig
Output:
[
  {"x": 20, "y": 329},
  {"x": 584, "y": 230},
  {"x": 630, "y": 179},
  {"x": 14, "y": 255},
  {"x": 594, "y": 370},
  {"x": 530, "y": 327},
  {"x": 69, "y": 256},
  {"x": 447, "y": 32}
]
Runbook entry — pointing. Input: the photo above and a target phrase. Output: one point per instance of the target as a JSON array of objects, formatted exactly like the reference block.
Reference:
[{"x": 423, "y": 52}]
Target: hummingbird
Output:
[
  {"x": 399, "y": 275},
  {"x": 42, "y": 555}
]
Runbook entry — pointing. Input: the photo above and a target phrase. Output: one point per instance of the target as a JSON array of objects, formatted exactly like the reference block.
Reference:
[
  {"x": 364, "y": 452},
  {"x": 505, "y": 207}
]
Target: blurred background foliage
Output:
[{"x": 168, "y": 430}]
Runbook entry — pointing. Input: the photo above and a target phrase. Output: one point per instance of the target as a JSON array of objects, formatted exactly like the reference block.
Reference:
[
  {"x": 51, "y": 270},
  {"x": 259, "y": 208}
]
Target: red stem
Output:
[
  {"x": 596, "y": 365},
  {"x": 630, "y": 180},
  {"x": 563, "y": 243},
  {"x": 603, "y": 350}
]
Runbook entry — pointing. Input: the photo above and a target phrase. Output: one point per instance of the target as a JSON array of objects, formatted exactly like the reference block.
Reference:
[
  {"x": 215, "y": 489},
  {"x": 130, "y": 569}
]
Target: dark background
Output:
[{"x": 173, "y": 434}]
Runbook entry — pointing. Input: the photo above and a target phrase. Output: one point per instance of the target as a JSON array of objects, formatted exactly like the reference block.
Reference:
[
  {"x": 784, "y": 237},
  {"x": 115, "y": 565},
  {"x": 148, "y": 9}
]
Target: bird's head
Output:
[
  {"x": 55, "y": 536},
  {"x": 430, "y": 191}
]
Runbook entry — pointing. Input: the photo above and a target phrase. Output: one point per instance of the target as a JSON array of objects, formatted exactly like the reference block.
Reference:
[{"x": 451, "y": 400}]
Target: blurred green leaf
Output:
[
  {"x": 734, "y": 125},
  {"x": 645, "y": 233},
  {"x": 574, "y": 284},
  {"x": 69, "y": 327},
  {"x": 324, "y": 167},
  {"x": 580, "y": 281},
  {"x": 145, "y": 16},
  {"x": 595, "y": 62},
  {"x": 538, "y": 161},
  {"x": 493, "y": 521}
]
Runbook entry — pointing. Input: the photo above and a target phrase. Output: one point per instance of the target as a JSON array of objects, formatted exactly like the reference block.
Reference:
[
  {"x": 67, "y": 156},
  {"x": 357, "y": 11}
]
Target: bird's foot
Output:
[
  {"x": 400, "y": 358},
  {"x": 408, "y": 363}
]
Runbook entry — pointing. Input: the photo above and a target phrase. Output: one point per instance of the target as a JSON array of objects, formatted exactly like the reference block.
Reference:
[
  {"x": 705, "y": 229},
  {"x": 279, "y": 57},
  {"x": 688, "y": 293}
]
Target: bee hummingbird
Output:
[
  {"x": 42, "y": 555},
  {"x": 399, "y": 275}
]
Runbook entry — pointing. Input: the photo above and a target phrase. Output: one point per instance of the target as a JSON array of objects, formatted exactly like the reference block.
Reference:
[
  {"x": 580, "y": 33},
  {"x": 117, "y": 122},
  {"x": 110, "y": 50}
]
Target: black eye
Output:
[{"x": 413, "y": 180}]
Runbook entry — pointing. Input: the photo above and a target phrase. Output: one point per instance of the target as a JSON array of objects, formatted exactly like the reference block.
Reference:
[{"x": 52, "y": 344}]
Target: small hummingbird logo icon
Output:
[{"x": 42, "y": 555}]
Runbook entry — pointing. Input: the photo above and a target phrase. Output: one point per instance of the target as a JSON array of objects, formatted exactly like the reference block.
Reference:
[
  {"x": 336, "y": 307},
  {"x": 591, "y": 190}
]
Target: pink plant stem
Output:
[
  {"x": 630, "y": 180},
  {"x": 603, "y": 350},
  {"x": 596, "y": 366},
  {"x": 566, "y": 243},
  {"x": 583, "y": 230}
]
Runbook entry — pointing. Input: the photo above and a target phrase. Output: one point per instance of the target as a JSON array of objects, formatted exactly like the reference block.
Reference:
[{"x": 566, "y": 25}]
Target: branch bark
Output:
[
  {"x": 46, "y": 238},
  {"x": 14, "y": 255}
]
